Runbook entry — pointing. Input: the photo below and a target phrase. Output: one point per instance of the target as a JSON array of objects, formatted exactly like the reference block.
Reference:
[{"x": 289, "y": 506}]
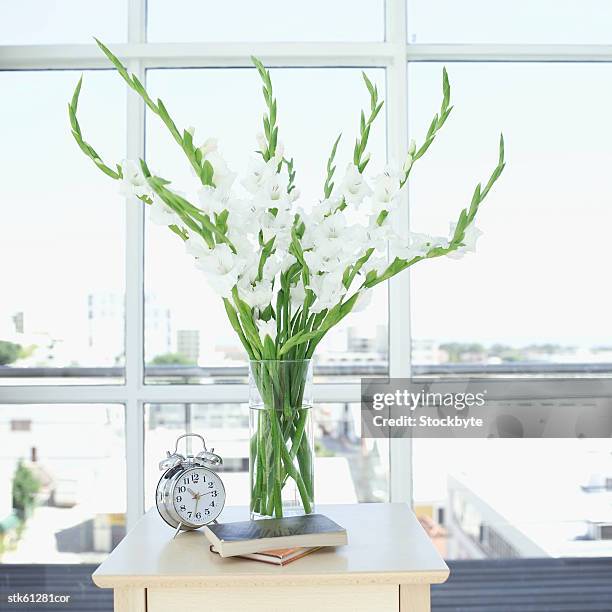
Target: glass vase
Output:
[{"x": 281, "y": 454}]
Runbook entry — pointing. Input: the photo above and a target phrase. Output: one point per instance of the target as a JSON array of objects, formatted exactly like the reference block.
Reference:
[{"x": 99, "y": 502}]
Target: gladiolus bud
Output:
[
  {"x": 210, "y": 145},
  {"x": 261, "y": 141}
]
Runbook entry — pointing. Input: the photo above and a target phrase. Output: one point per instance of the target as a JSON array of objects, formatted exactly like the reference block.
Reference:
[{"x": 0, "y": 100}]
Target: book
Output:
[
  {"x": 247, "y": 537},
  {"x": 282, "y": 556}
]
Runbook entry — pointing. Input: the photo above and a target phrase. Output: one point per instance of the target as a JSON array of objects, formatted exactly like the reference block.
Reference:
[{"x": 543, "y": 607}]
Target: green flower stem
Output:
[{"x": 280, "y": 450}]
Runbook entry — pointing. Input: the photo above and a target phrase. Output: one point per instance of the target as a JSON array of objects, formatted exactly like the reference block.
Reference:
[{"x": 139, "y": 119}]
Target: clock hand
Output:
[{"x": 192, "y": 492}]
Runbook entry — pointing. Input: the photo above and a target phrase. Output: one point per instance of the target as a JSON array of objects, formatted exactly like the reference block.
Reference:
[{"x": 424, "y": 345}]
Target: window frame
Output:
[{"x": 394, "y": 55}]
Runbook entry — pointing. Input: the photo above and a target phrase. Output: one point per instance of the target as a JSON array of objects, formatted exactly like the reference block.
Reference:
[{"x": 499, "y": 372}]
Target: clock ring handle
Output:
[{"x": 188, "y": 435}]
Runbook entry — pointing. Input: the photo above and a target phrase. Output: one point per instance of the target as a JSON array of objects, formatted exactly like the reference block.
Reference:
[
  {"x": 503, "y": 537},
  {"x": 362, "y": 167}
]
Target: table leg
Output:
[
  {"x": 130, "y": 599},
  {"x": 414, "y": 598}
]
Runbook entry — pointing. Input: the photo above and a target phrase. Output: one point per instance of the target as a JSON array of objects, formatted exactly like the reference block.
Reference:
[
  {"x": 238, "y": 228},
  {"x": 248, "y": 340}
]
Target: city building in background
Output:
[{"x": 188, "y": 344}]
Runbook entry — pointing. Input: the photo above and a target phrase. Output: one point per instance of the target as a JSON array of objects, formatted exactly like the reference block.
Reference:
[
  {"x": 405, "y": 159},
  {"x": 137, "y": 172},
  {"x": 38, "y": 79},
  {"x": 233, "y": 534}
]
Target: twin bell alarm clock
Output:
[{"x": 190, "y": 493}]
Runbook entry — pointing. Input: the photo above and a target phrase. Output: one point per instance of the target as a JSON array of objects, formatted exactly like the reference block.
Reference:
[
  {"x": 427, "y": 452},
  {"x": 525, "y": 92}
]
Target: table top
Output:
[{"x": 386, "y": 545}]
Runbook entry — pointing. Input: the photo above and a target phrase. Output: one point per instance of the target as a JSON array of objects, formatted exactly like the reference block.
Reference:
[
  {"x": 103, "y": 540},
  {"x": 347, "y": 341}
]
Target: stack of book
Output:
[{"x": 277, "y": 541}]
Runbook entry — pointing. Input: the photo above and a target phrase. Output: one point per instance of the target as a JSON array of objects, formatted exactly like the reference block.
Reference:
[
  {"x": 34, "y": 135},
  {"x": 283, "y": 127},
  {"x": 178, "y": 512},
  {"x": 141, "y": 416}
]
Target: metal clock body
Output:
[{"x": 190, "y": 494}]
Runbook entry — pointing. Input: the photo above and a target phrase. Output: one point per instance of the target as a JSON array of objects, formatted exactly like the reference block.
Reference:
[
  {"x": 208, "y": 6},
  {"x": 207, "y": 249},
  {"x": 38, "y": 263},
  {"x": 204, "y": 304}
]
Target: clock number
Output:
[
  {"x": 190, "y": 513},
  {"x": 183, "y": 508},
  {"x": 214, "y": 493},
  {"x": 179, "y": 499},
  {"x": 186, "y": 481},
  {"x": 182, "y": 489},
  {"x": 211, "y": 484},
  {"x": 212, "y": 503},
  {"x": 195, "y": 478},
  {"x": 198, "y": 515},
  {"x": 206, "y": 511}
]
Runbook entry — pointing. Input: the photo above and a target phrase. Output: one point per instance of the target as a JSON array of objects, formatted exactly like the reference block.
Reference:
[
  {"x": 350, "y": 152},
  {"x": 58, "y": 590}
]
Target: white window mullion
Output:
[
  {"x": 134, "y": 296},
  {"x": 399, "y": 286}
]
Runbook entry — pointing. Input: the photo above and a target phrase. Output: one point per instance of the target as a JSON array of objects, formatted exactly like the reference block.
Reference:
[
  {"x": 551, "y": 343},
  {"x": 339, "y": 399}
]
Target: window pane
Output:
[
  {"x": 530, "y": 498},
  {"x": 63, "y": 232},
  {"x": 62, "y": 482},
  {"x": 39, "y": 22},
  {"x": 533, "y": 293},
  {"x": 347, "y": 469},
  {"x": 182, "y": 314},
  {"x": 266, "y": 20},
  {"x": 521, "y": 21}
]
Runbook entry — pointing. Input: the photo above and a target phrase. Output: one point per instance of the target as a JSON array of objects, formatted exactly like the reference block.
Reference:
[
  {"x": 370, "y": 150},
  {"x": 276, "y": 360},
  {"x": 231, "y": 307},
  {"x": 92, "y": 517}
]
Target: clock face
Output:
[{"x": 198, "y": 496}]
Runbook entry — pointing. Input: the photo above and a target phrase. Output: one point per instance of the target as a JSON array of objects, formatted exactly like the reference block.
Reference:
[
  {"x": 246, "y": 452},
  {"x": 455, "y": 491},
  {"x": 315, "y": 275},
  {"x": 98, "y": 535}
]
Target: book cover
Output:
[
  {"x": 247, "y": 537},
  {"x": 282, "y": 556}
]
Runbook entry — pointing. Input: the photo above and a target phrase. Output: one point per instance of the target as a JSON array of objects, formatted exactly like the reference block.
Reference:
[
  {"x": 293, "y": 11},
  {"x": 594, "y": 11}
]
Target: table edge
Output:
[{"x": 272, "y": 579}]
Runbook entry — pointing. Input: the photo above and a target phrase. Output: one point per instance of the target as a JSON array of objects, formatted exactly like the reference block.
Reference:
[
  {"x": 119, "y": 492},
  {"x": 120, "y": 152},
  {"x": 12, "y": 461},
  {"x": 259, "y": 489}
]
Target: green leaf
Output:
[
  {"x": 269, "y": 350},
  {"x": 207, "y": 173},
  {"x": 235, "y": 323},
  {"x": 368, "y": 84}
]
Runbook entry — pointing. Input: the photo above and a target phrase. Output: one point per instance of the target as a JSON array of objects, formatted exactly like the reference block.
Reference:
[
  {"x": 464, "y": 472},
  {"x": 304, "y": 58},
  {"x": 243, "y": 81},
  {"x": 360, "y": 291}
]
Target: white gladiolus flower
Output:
[
  {"x": 278, "y": 225},
  {"x": 271, "y": 268},
  {"x": 262, "y": 143},
  {"x": 261, "y": 172},
  {"x": 386, "y": 188},
  {"x": 210, "y": 145},
  {"x": 287, "y": 261},
  {"x": 258, "y": 296},
  {"x": 328, "y": 256},
  {"x": 437, "y": 241},
  {"x": 328, "y": 288},
  {"x": 267, "y": 328},
  {"x": 211, "y": 200},
  {"x": 363, "y": 301},
  {"x": 273, "y": 194},
  {"x": 378, "y": 263},
  {"x": 378, "y": 235},
  {"x": 248, "y": 275},
  {"x": 222, "y": 268},
  {"x": 161, "y": 214},
  {"x": 332, "y": 227},
  {"x": 195, "y": 245},
  {"x": 324, "y": 208},
  {"x": 298, "y": 294},
  {"x": 408, "y": 163},
  {"x": 403, "y": 250},
  {"x": 472, "y": 233},
  {"x": 223, "y": 177},
  {"x": 294, "y": 195},
  {"x": 133, "y": 181},
  {"x": 243, "y": 245},
  {"x": 417, "y": 245},
  {"x": 354, "y": 187},
  {"x": 316, "y": 260}
]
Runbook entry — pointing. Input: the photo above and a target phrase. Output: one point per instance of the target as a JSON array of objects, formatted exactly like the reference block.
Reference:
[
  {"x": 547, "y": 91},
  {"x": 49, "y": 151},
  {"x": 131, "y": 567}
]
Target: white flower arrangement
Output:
[{"x": 288, "y": 274}]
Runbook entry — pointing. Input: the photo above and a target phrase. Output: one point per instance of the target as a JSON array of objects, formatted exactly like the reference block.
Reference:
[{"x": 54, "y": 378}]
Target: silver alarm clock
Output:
[{"x": 190, "y": 493}]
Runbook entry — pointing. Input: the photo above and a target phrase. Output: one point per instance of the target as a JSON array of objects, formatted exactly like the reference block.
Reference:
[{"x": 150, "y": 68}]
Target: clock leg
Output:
[{"x": 177, "y": 530}]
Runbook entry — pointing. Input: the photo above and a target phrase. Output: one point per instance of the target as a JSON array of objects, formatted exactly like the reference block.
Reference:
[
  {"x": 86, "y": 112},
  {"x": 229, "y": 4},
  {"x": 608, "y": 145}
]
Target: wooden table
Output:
[{"x": 389, "y": 564}]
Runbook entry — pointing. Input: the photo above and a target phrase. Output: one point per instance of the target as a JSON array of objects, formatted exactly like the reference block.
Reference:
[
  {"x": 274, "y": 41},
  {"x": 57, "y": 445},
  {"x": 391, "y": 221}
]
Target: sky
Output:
[
  {"x": 538, "y": 273},
  {"x": 429, "y": 21},
  {"x": 542, "y": 267}
]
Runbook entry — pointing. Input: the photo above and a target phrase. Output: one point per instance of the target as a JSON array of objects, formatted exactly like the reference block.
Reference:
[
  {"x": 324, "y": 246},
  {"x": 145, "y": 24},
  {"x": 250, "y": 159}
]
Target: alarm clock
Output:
[{"x": 190, "y": 493}]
